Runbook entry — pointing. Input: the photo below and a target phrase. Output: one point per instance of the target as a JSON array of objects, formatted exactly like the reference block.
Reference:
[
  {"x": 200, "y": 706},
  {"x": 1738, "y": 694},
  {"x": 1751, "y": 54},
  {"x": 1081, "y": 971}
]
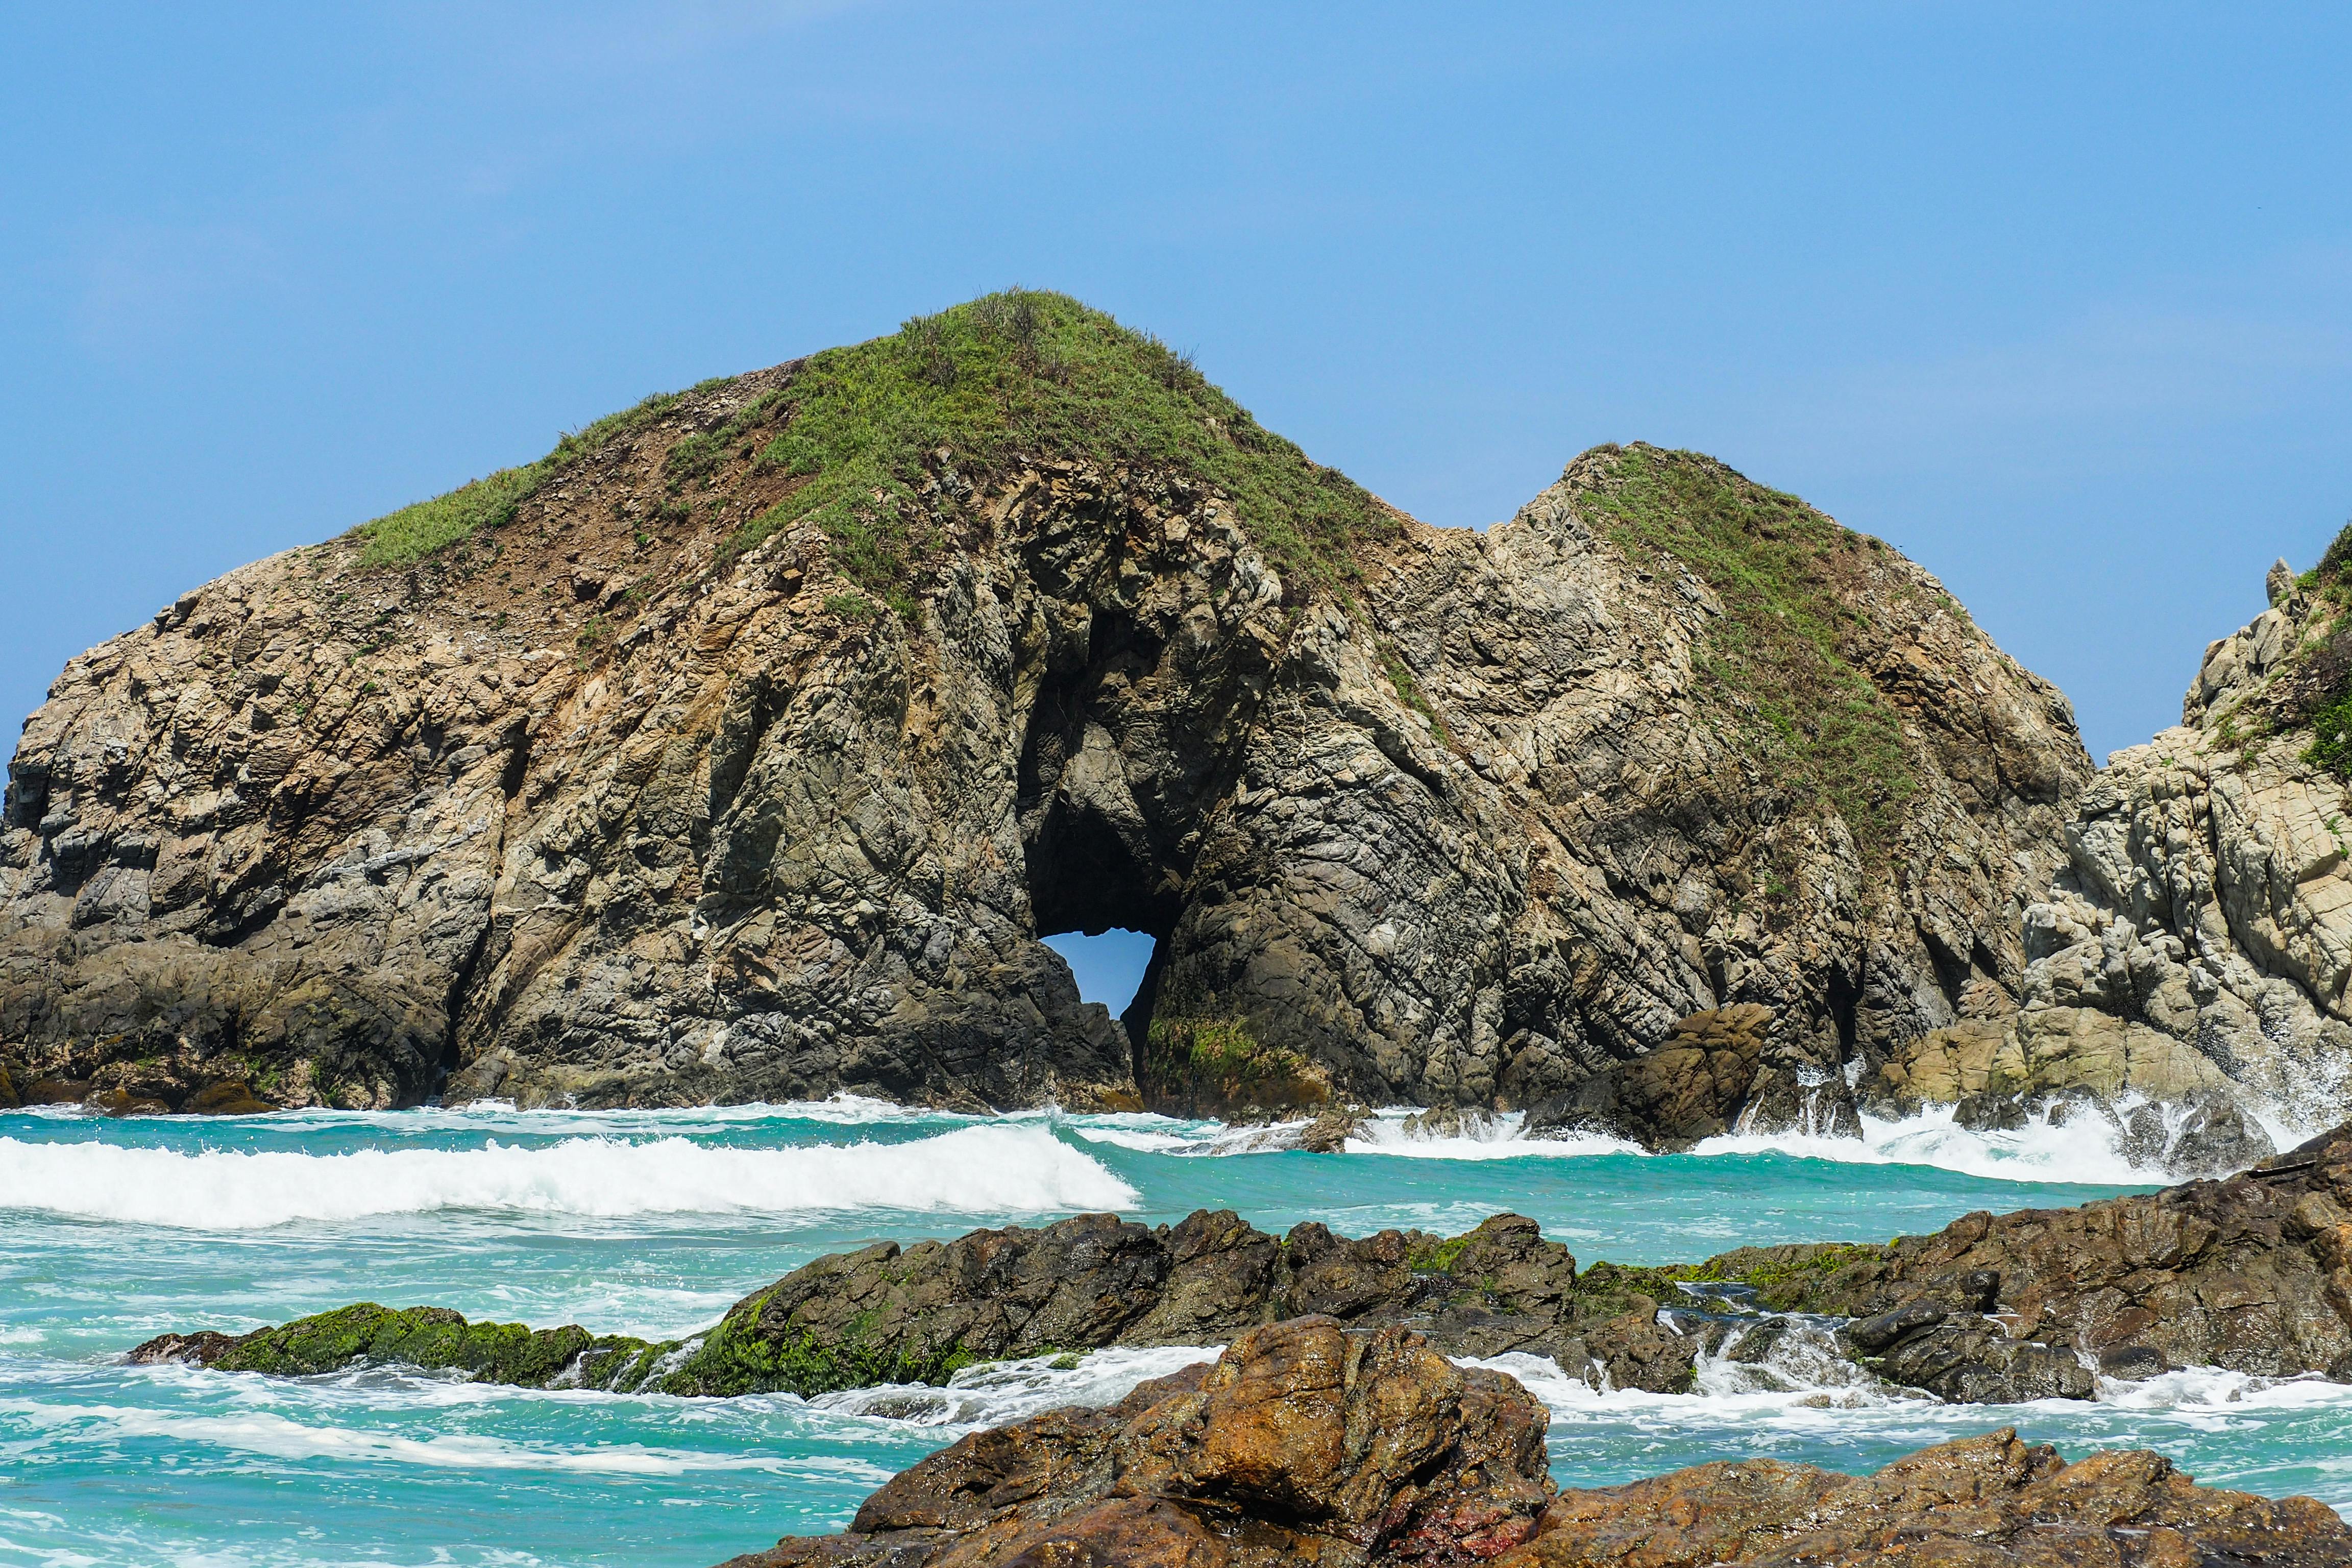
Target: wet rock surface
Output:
[
  {"x": 1691, "y": 1086},
  {"x": 1305, "y": 1442},
  {"x": 1982, "y": 1502},
  {"x": 2252, "y": 1273},
  {"x": 916, "y": 1314}
]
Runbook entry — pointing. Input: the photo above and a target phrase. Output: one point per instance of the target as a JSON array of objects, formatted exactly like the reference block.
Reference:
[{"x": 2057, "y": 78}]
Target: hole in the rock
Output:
[{"x": 1109, "y": 967}]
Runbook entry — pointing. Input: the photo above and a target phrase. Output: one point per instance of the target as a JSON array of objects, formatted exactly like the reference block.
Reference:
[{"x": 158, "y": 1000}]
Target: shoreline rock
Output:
[
  {"x": 1308, "y": 1443},
  {"x": 919, "y": 1313},
  {"x": 2252, "y": 1274}
]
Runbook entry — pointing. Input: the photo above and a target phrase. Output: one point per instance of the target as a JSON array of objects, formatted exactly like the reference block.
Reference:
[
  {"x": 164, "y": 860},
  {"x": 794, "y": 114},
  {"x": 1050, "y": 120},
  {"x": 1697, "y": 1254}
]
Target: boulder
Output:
[
  {"x": 1305, "y": 1442},
  {"x": 2253, "y": 1273}
]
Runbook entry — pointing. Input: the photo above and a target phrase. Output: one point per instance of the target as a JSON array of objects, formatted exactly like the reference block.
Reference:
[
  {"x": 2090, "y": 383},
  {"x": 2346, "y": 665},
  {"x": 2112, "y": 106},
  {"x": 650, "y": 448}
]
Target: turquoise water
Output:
[{"x": 653, "y": 1223}]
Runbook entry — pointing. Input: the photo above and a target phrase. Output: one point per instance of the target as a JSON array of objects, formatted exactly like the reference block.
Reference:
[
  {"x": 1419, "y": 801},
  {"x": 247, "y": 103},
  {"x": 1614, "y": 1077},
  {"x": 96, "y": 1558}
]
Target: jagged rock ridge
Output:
[
  {"x": 2196, "y": 945},
  {"x": 739, "y": 749},
  {"x": 2254, "y": 1274}
]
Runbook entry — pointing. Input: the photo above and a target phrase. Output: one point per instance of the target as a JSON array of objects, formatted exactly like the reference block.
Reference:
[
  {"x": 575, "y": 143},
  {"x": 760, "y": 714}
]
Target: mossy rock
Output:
[{"x": 431, "y": 1339}]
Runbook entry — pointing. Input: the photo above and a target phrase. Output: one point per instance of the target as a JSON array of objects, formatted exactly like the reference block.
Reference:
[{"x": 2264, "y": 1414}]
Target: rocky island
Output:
[{"x": 745, "y": 745}]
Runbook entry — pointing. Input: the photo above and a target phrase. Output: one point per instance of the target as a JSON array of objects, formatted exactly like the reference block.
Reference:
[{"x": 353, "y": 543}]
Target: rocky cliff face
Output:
[
  {"x": 2196, "y": 944},
  {"x": 745, "y": 746}
]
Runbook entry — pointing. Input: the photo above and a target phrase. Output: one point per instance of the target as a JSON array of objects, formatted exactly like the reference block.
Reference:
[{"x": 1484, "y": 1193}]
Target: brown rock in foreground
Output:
[
  {"x": 1306, "y": 1443},
  {"x": 1303, "y": 1443},
  {"x": 1993, "y": 1502}
]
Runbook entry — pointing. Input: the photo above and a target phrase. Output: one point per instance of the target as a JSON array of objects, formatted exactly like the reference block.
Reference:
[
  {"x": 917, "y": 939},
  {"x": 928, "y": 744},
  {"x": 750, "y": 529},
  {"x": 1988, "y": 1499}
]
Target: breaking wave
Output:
[
  {"x": 1001, "y": 1392},
  {"x": 2084, "y": 1151},
  {"x": 282, "y": 1438},
  {"x": 998, "y": 1169}
]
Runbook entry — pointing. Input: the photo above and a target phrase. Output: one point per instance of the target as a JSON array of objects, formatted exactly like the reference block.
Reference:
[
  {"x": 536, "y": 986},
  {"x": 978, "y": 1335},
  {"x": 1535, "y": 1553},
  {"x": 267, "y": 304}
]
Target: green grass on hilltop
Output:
[
  {"x": 1028, "y": 375},
  {"x": 1783, "y": 573},
  {"x": 976, "y": 389},
  {"x": 418, "y": 529}
]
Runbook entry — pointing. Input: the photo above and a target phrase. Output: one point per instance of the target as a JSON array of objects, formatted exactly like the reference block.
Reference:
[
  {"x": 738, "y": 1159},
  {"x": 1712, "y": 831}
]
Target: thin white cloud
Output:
[{"x": 2112, "y": 383}]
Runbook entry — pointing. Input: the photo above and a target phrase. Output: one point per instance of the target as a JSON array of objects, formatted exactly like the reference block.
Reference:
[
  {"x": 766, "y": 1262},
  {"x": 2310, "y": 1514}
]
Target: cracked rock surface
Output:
[
  {"x": 2195, "y": 947},
  {"x": 596, "y": 807}
]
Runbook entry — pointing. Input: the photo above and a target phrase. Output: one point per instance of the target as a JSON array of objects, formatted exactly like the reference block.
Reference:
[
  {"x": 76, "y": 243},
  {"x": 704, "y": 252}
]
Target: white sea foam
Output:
[
  {"x": 1496, "y": 1137},
  {"x": 282, "y": 1438},
  {"x": 2083, "y": 1151},
  {"x": 981, "y": 1169},
  {"x": 1000, "y": 1392}
]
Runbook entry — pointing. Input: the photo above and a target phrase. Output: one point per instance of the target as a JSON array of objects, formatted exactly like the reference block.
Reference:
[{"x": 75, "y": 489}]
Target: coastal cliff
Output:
[{"x": 744, "y": 747}]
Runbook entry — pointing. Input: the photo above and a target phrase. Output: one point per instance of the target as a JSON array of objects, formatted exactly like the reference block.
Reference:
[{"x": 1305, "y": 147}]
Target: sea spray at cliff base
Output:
[{"x": 976, "y": 1169}]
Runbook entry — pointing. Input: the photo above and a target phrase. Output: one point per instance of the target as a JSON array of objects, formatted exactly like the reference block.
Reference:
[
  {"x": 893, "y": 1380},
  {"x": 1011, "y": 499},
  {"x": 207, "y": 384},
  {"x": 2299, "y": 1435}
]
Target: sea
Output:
[{"x": 651, "y": 1222}]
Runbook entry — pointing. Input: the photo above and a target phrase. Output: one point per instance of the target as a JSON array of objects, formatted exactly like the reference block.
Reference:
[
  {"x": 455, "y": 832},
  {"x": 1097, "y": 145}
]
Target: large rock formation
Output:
[
  {"x": 745, "y": 746},
  {"x": 2196, "y": 946},
  {"x": 1307, "y": 1444}
]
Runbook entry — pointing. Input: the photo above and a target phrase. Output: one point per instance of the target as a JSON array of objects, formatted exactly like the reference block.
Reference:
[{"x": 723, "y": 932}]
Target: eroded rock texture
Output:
[
  {"x": 1303, "y": 1443},
  {"x": 1993, "y": 1501},
  {"x": 887, "y": 1314},
  {"x": 2254, "y": 1274},
  {"x": 2196, "y": 945},
  {"x": 1307, "y": 1443},
  {"x": 595, "y": 806}
]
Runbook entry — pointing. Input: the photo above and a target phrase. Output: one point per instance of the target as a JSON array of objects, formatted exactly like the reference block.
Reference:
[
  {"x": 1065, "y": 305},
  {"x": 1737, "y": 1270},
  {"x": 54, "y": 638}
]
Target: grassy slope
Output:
[
  {"x": 1776, "y": 662},
  {"x": 988, "y": 385},
  {"x": 869, "y": 430}
]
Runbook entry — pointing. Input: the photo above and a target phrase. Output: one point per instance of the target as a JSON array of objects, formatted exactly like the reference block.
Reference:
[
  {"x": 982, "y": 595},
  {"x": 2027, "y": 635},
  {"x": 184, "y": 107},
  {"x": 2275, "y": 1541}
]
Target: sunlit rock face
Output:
[
  {"x": 2193, "y": 950},
  {"x": 649, "y": 789}
]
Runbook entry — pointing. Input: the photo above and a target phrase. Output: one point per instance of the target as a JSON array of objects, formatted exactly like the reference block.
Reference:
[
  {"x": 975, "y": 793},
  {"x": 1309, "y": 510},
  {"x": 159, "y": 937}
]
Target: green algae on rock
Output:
[{"x": 920, "y": 1313}]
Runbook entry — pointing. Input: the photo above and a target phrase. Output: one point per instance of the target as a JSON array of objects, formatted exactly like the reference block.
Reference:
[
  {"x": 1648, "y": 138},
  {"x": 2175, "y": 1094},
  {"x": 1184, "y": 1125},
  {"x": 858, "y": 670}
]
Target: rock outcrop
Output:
[
  {"x": 745, "y": 746},
  {"x": 2195, "y": 948},
  {"x": 1308, "y": 1443},
  {"x": 916, "y": 1314},
  {"x": 1994, "y": 1499},
  {"x": 2253, "y": 1273},
  {"x": 1303, "y": 1443}
]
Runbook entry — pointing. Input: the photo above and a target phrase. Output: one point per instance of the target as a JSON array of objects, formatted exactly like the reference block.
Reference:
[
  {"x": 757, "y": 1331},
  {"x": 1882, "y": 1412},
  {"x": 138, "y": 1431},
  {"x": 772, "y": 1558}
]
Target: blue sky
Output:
[{"x": 2058, "y": 299}]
